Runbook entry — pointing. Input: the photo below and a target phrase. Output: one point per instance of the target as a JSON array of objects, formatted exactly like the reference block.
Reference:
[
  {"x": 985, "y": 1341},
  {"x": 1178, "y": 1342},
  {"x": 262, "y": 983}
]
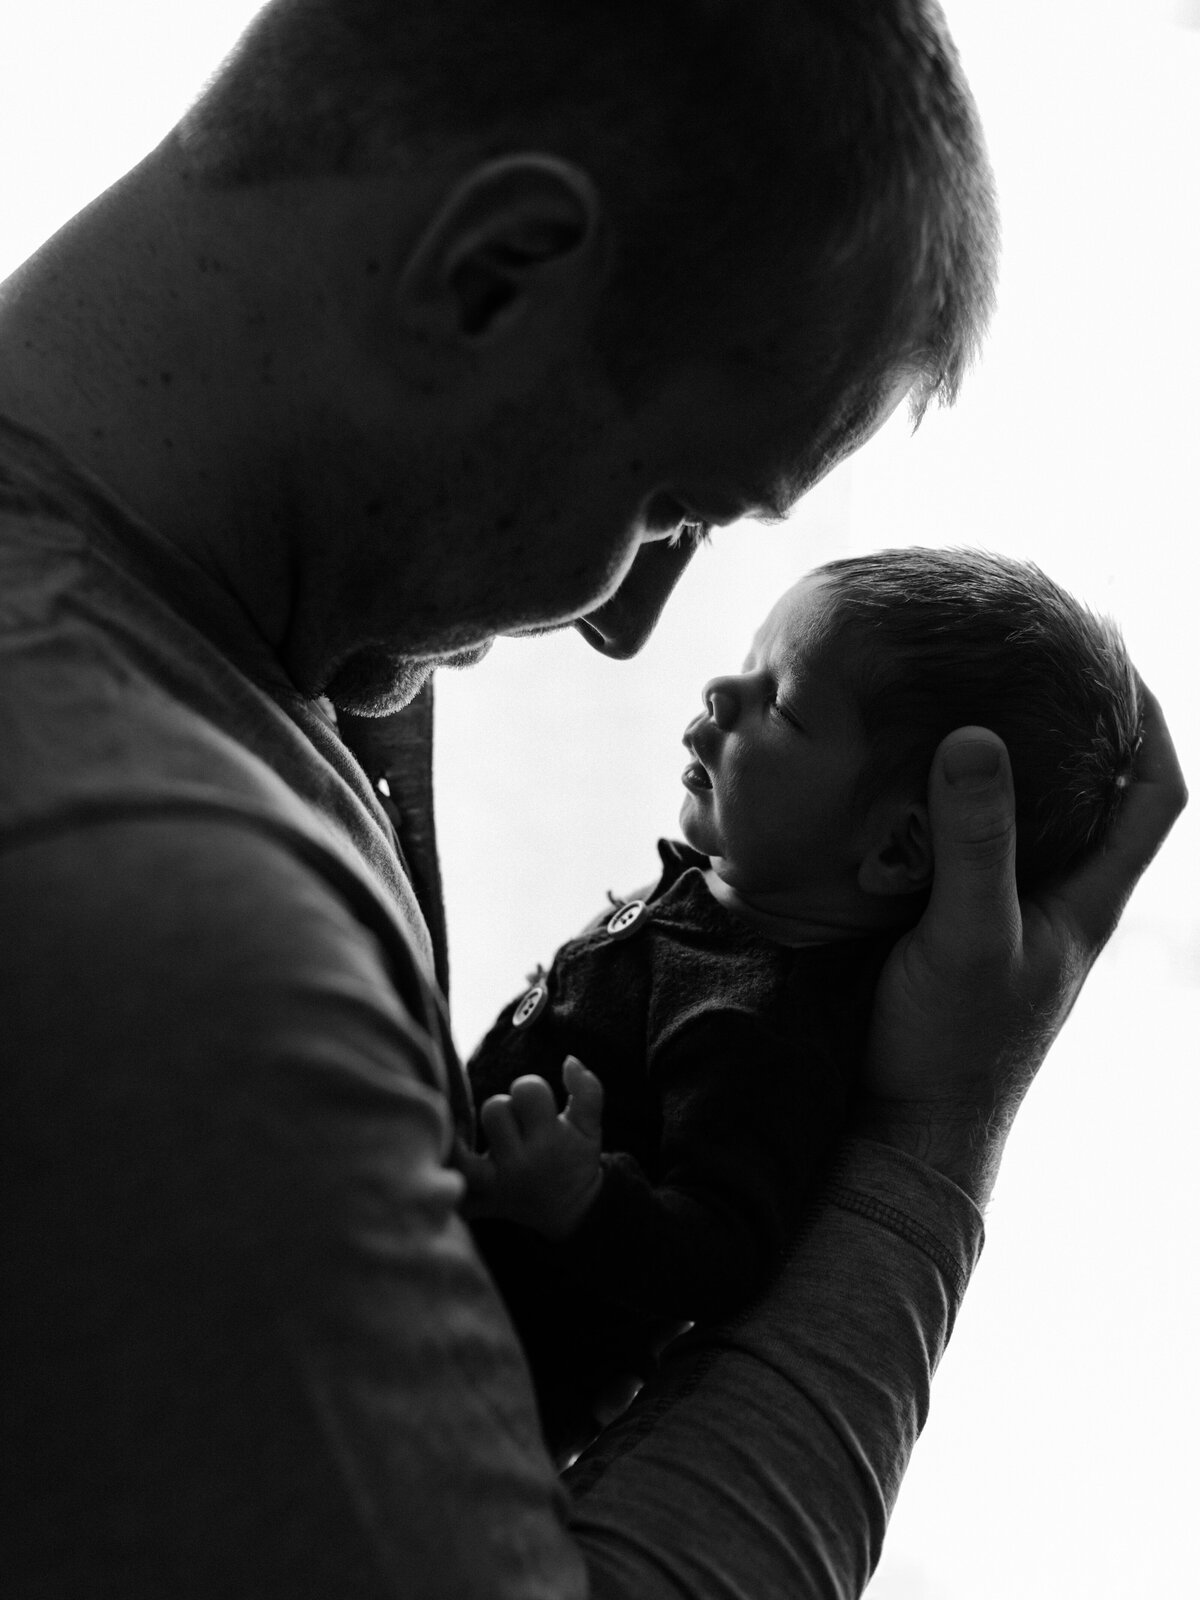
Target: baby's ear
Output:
[{"x": 899, "y": 858}]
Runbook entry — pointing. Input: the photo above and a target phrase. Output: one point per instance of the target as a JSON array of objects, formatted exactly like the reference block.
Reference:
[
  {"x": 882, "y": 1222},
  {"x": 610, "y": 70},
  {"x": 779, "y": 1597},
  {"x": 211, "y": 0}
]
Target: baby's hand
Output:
[{"x": 542, "y": 1168}]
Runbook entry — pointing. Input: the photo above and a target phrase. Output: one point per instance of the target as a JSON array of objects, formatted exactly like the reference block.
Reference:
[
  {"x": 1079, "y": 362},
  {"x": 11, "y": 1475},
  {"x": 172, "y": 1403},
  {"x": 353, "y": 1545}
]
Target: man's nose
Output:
[
  {"x": 722, "y": 701},
  {"x": 621, "y": 626}
]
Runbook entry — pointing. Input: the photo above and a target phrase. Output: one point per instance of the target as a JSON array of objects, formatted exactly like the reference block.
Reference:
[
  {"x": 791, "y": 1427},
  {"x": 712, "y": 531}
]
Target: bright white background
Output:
[{"x": 1059, "y": 1461}]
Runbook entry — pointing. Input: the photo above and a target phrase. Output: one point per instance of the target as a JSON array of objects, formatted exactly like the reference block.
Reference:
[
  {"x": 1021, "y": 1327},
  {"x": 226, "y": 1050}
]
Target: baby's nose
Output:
[{"x": 720, "y": 699}]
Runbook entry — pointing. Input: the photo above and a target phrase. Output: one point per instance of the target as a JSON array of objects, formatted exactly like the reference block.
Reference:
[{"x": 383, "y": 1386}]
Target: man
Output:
[{"x": 427, "y": 324}]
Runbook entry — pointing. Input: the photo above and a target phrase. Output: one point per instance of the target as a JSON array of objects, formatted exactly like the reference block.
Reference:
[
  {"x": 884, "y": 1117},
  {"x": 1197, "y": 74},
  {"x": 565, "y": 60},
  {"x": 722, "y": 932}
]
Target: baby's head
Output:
[{"x": 809, "y": 790}]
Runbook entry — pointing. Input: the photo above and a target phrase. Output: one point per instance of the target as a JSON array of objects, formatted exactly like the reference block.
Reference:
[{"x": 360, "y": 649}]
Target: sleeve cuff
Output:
[{"x": 919, "y": 1205}]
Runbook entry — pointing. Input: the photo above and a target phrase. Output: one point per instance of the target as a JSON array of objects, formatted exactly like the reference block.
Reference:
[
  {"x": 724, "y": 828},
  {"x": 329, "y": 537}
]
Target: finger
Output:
[
  {"x": 1095, "y": 893},
  {"x": 585, "y": 1099},
  {"x": 498, "y": 1120},
  {"x": 479, "y": 1172},
  {"x": 534, "y": 1104},
  {"x": 973, "y": 903}
]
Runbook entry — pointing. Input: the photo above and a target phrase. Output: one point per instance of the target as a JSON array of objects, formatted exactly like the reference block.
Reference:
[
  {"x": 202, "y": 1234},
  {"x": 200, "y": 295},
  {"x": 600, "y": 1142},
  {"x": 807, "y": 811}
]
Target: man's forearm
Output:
[{"x": 767, "y": 1457}]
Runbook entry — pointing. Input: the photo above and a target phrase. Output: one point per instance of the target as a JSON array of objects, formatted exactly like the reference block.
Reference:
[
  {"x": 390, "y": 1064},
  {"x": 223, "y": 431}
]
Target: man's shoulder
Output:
[
  {"x": 114, "y": 705},
  {"x": 119, "y": 676},
  {"x": 198, "y": 807},
  {"x": 91, "y": 663},
  {"x": 161, "y": 824}
]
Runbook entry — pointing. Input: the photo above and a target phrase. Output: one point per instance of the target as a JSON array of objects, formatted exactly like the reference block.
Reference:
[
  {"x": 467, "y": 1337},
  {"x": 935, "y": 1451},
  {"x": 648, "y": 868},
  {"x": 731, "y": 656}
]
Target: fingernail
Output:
[{"x": 973, "y": 764}]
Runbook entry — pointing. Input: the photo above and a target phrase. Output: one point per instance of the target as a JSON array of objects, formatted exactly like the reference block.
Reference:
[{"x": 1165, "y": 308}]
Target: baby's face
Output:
[{"x": 778, "y": 750}]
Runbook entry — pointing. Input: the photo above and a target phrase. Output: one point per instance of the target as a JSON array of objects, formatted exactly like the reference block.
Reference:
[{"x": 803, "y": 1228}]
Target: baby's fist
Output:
[{"x": 546, "y": 1163}]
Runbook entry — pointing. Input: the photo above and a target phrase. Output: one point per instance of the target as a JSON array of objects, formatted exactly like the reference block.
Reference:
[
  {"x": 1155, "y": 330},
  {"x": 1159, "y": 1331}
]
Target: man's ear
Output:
[
  {"x": 899, "y": 859},
  {"x": 516, "y": 237}
]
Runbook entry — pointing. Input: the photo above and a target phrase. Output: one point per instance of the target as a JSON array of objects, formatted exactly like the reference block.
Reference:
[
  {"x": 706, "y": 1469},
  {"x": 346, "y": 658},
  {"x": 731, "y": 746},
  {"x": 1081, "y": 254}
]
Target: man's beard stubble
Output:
[{"x": 374, "y": 682}]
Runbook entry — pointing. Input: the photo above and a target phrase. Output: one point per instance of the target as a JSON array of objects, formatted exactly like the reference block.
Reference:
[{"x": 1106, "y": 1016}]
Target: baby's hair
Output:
[{"x": 963, "y": 636}]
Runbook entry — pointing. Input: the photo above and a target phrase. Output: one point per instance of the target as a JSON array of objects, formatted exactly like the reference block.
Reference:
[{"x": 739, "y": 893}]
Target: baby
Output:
[{"x": 721, "y": 1014}]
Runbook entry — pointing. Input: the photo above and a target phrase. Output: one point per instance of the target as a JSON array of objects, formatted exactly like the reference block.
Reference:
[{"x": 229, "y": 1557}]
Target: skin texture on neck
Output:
[
  {"x": 781, "y": 928},
  {"x": 127, "y": 339},
  {"x": 798, "y": 925}
]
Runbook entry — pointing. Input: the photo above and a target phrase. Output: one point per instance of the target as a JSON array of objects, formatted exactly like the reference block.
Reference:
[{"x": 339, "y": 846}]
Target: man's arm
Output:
[
  {"x": 248, "y": 1345},
  {"x": 764, "y": 1458}
]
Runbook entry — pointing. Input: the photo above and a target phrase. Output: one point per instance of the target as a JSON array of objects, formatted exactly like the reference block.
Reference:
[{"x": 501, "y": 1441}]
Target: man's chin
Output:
[{"x": 376, "y": 683}]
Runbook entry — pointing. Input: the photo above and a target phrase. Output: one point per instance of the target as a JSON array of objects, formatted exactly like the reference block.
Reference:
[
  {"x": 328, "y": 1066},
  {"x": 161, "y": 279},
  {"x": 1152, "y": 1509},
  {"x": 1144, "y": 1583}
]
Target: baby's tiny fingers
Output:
[
  {"x": 479, "y": 1170},
  {"x": 533, "y": 1104},
  {"x": 480, "y": 1174},
  {"x": 499, "y": 1123},
  {"x": 585, "y": 1099}
]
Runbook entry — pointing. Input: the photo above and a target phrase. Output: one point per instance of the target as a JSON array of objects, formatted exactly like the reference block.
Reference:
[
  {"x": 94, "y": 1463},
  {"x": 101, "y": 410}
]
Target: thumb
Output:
[
  {"x": 974, "y": 841},
  {"x": 585, "y": 1099}
]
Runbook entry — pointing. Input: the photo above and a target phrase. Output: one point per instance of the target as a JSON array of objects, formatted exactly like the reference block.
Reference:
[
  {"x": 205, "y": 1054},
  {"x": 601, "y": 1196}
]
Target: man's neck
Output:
[{"x": 113, "y": 337}]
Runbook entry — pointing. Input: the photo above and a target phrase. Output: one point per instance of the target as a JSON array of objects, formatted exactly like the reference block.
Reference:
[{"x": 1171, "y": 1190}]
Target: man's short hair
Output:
[
  {"x": 947, "y": 638},
  {"x": 828, "y": 151}
]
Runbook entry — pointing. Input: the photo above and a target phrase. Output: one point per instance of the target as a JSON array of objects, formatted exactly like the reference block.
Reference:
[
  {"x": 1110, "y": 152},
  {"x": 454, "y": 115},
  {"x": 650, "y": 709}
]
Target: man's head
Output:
[
  {"x": 619, "y": 215},
  {"x": 809, "y": 785},
  {"x": 825, "y": 152},
  {"x": 437, "y": 321}
]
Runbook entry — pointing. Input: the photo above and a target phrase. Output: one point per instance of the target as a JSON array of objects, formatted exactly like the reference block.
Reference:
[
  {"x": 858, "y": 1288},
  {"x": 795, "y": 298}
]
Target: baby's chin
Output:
[{"x": 691, "y": 826}]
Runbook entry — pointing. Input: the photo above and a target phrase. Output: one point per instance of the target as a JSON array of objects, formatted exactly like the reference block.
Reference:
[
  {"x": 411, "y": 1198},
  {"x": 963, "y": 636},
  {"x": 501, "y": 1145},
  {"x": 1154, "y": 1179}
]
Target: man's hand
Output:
[
  {"x": 542, "y": 1167},
  {"x": 971, "y": 1000}
]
